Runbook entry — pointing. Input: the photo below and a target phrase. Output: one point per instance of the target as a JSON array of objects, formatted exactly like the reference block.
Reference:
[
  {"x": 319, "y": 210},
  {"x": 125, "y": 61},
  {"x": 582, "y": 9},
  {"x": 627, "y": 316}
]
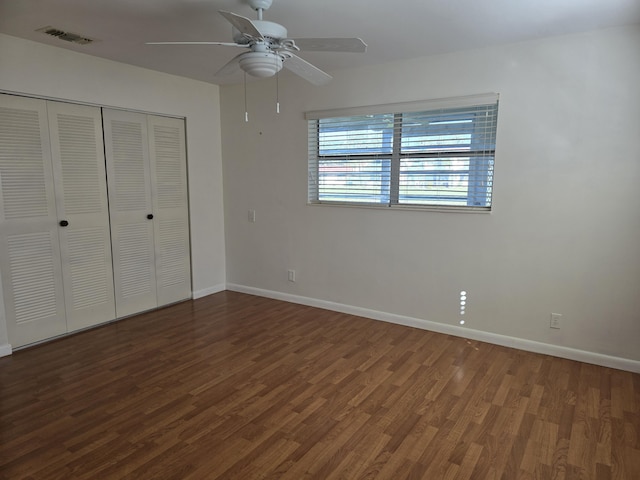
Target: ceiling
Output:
[{"x": 393, "y": 29}]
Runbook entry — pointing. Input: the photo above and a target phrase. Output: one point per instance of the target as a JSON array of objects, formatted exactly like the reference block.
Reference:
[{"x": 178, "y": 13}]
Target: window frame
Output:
[{"x": 477, "y": 168}]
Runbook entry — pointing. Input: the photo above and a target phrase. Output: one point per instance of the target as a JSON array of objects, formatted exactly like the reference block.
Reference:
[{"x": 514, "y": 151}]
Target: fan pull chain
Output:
[
  {"x": 277, "y": 93},
  {"x": 246, "y": 112}
]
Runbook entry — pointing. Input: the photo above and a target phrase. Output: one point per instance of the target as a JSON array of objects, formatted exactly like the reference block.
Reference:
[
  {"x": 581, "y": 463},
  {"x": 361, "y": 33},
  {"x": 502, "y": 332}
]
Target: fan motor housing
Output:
[{"x": 269, "y": 30}]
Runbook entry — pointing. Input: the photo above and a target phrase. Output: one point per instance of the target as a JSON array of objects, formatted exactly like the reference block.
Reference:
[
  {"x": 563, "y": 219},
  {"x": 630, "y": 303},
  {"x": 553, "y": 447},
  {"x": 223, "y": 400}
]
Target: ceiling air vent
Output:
[{"x": 66, "y": 36}]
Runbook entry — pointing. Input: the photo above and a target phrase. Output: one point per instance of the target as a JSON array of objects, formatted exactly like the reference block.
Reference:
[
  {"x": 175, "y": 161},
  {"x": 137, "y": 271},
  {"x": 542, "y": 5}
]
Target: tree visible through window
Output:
[{"x": 441, "y": 157}]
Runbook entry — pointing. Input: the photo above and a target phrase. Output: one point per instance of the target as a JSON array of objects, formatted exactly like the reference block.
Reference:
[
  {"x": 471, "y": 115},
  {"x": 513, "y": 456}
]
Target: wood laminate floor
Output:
[{"x": 233, "y": 386}]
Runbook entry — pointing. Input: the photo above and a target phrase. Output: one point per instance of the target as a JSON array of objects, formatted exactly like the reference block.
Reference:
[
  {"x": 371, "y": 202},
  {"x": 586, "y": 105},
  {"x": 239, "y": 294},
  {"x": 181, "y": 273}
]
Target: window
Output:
[{"x": 427, "y": 154}]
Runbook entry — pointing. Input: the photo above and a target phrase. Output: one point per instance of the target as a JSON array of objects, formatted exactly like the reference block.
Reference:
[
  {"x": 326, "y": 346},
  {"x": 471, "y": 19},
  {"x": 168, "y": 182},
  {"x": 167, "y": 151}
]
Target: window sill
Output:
[{"x": 419, "y": 208}]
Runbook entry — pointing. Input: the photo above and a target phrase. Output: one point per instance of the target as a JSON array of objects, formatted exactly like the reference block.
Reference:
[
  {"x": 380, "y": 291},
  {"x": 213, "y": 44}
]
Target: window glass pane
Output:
[
  {"x": 429, "y": 132},
  {"x": 348, "y": 180},
  {"x": 441, "y": 181},
  {"x": 366, "y": 134}
]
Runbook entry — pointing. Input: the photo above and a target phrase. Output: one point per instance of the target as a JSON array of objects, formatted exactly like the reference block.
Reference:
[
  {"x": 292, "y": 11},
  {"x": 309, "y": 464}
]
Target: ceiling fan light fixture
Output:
[{"x": 260, "y": 64}]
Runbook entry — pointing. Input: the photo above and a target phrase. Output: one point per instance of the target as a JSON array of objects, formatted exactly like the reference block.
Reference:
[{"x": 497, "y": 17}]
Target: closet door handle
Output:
[
  {"x": 150, "y": 216},
  {"x": 63, "y": 223}
]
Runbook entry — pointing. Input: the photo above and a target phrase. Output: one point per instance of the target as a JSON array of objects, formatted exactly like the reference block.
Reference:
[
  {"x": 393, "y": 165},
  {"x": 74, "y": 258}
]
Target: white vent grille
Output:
[
  {"x": 129, "y": 166},
  {"x": 169, "y": 164},
  {"x": 66, "y": 36},
  {"x": 80, "y": 169},
  {"x": 136, "y": 258},
  {"x": 33, "y": 274},
  {"x": 22, "y": 168},
  {"x": 88, "y": 251},
  {"x": 174, "y": 249}
]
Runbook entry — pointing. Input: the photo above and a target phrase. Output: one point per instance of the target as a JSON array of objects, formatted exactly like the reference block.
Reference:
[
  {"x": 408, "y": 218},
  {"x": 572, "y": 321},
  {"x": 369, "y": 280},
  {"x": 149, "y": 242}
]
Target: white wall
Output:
[
  {"x": 40, "y": 70},
  {"x": 564, "y": 234}
]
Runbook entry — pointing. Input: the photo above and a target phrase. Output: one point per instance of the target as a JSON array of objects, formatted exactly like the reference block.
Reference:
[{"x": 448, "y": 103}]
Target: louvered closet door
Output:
[
  {"x": 29, "y": 247},
  {"x": 81, "y": 201},
  {"x": 129, "y": 183},
  {"x": 170, "y": 207}
]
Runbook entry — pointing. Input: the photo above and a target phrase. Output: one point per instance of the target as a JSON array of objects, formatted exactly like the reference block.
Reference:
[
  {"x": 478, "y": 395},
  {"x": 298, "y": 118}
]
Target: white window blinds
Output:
[{"x": 424, "y": 154}]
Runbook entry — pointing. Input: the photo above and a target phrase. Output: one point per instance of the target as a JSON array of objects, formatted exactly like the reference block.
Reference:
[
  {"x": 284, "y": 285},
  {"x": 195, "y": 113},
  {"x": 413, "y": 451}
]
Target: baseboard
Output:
[
  {"x": 5, "y": 350},
  {"x": 209, "y": 291},
  {"x": 494, "y": 338}
]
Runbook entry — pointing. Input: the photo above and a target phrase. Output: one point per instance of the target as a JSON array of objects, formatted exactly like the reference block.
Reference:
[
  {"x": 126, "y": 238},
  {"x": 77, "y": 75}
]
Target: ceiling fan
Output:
[{"x": 270, "y": 49}]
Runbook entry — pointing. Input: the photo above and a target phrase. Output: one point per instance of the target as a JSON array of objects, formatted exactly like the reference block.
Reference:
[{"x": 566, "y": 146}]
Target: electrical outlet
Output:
[
  {"x": 291, "y": 275},
  {"x": 555, "y": 320},
  {"x": 252, "y": 216}
]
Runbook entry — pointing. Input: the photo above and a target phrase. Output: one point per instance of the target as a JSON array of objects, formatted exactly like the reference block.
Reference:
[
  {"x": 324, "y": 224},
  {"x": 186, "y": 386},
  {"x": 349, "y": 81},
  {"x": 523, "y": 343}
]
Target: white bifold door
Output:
[
  {"x": 83, "y": 213},
  {"x": 146, "y": 171},
  {"x": 93, "y": 215},
  {"x": 55, "y": 252}
]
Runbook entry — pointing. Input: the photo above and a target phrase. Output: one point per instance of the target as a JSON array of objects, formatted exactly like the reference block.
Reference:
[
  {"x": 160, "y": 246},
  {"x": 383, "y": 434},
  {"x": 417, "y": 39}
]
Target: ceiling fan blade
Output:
[
  {"x": 354, "y": 45},
  {"x": 305, "y": 70},
  {"x": 225, "y": 44},
  {"x": 229, "y": 68},
  {"x": 243, "y": 24}
]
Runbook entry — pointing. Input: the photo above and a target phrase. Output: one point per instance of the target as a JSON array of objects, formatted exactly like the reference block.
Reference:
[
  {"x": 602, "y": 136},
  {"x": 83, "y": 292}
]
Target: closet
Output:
[
  {"x": 93, "y": 221},
  {"x": 147, "y": 182}
]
